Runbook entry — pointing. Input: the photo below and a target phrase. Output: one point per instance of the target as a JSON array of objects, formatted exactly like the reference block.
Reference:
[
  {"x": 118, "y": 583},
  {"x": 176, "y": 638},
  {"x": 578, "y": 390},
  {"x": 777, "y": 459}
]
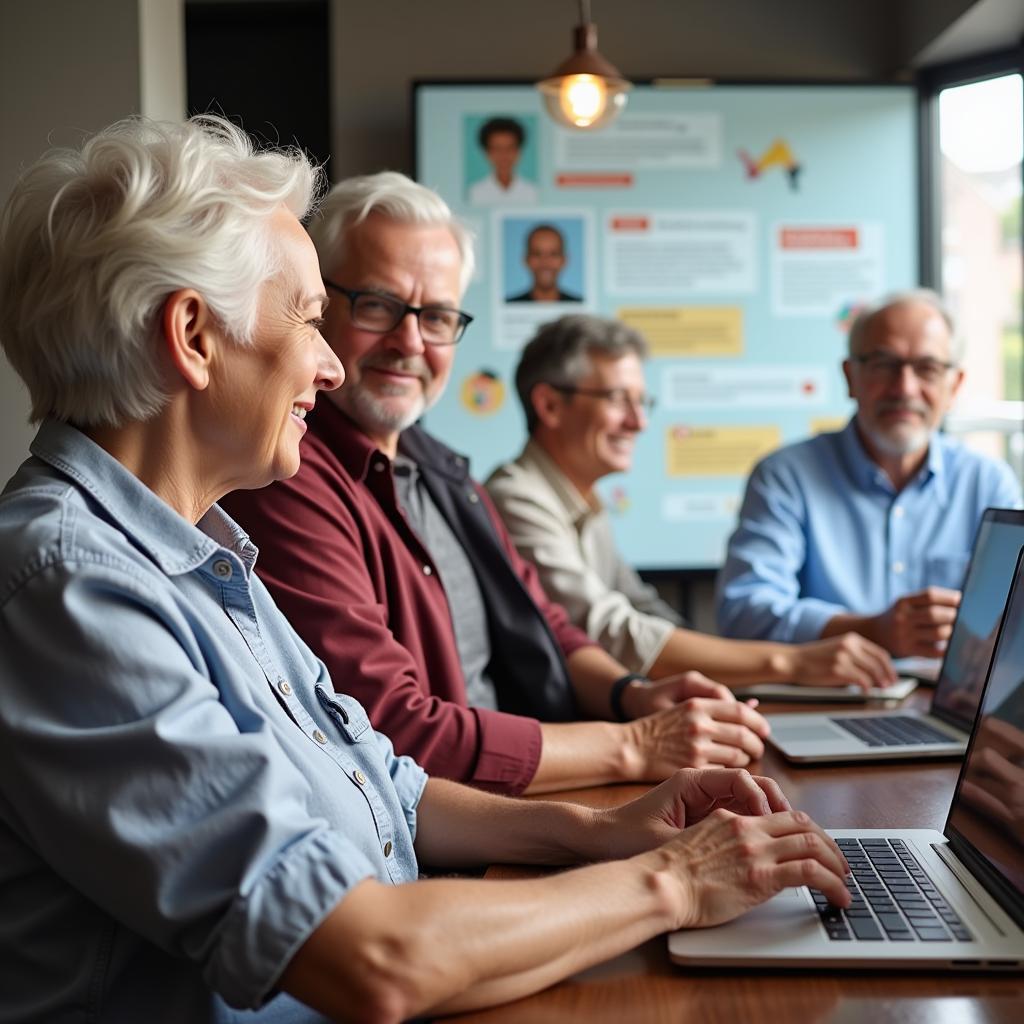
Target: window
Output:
[{"x": 976, "y": 263}]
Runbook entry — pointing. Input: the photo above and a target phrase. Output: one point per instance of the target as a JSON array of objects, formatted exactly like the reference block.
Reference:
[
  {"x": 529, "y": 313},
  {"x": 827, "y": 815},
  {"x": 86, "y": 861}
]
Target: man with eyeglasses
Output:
[
  {"x": 870, "y": 528},
  {"x": 580, "y": 380},
  {"x": 391, "y": 562}
]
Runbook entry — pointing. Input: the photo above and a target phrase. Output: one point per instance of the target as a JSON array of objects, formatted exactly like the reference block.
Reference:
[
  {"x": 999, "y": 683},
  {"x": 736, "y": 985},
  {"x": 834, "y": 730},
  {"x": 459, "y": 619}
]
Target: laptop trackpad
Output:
[
  {"x": 787, "y": 915},
  {"x": 807, "y": 732},
  {"x": 788, "y": 902}
]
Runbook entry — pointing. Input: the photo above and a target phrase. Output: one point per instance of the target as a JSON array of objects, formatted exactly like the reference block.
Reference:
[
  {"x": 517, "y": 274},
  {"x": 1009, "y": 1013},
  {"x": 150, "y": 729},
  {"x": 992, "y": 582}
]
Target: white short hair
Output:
[
  {"x": 92, "y": 243},
  {"x": 391, "y": 195},
  {"x": 924, "y": 296}
]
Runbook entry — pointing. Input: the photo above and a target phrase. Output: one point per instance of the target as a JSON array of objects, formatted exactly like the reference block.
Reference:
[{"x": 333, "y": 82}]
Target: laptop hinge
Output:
[{"x": 962, "y": 875}]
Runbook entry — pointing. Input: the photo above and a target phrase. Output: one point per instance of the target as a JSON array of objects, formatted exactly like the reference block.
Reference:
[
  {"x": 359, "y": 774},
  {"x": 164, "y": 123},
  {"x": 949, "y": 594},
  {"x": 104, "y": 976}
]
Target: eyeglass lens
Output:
[
  {"x": 929, "y": 371},
  {"x": 438, "y": 325}
]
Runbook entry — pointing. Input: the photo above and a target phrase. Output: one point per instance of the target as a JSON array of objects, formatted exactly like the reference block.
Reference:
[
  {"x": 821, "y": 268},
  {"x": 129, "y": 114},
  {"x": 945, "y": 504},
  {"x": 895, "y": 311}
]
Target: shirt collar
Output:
[
  {"x": 172, "y": 542},
  {"x": 867, "y": 473},
  {"x": 575, "y": 504}
]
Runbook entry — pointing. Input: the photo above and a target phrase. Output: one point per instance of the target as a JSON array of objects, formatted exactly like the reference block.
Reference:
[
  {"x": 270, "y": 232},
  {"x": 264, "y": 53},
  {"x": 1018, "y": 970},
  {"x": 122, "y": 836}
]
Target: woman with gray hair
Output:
[{"x": 191, "y": 819}]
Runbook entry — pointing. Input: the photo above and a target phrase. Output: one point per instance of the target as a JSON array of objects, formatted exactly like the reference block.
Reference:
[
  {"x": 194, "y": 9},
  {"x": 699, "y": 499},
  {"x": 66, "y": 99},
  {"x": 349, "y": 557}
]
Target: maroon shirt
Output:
[{"x": 357, "y": 584}]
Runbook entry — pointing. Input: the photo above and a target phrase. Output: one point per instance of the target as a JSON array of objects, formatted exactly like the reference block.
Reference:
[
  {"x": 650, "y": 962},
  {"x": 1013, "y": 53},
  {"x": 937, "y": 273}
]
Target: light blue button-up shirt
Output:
[
  {"x": 183, "y": 796},
  {"x": 822, "y": 531}
]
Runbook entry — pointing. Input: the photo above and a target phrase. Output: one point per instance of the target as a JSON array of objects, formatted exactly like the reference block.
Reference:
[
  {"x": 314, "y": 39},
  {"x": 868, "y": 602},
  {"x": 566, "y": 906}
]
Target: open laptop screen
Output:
[
  {"x": 987, "y": 812},
  {"x": 999, "y": 541}
]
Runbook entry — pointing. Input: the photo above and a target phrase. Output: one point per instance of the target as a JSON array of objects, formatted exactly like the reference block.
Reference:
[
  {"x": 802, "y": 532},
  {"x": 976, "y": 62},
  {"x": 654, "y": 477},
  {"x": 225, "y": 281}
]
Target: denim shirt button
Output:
[
  {"x": 387, "y": 848},
  {"x": 285, "y": 687},
  {"x": 222, "y": 568},
  {"x": 319, "y": 737},
  {"x": 359, "y": 777}
]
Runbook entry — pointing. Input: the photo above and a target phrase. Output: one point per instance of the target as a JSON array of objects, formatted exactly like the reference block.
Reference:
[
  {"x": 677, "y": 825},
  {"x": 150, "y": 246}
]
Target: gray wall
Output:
[{"x": 68, "y": 67}]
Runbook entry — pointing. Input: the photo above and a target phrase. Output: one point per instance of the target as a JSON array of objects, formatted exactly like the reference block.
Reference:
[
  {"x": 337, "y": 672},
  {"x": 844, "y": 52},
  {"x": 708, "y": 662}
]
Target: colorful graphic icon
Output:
[
  {"x": 483, "y": 393},
  {"x": 848, "y": 312},
  {"x": 778, "y": 154},
  {"x": 618, "y": 501}
]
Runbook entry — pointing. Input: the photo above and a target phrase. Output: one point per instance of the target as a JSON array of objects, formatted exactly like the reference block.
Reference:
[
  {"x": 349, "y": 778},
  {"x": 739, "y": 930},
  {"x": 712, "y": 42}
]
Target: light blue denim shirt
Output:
[
  {"x": 183, "y": 797},
  {"x": 822, "y": 531}
]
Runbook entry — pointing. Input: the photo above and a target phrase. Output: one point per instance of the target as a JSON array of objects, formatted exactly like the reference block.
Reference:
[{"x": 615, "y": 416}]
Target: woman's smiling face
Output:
[{"x": 264, "y": 389}]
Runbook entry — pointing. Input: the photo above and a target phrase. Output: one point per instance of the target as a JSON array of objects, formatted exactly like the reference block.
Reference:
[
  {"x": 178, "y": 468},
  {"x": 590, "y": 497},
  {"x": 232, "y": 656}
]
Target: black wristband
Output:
[{"x": 615, "y": 694}]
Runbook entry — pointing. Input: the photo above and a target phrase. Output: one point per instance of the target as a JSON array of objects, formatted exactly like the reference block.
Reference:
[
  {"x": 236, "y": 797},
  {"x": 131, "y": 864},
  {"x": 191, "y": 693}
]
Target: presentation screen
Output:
[{"x": 737, "y": 227}]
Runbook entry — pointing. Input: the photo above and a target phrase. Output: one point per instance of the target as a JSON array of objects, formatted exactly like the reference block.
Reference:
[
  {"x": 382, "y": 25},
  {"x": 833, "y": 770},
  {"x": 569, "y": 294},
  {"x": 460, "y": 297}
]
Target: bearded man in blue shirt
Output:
[{"x": 868, "y": 529}]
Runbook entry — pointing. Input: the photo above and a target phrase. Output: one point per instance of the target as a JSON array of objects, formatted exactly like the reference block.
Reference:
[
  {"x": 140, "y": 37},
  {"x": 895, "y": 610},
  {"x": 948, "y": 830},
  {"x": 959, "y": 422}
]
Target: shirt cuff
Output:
[
  {"x": 510, "y": 747},
  {"x": 806, "y": 621},
  {"x": 649, "y": 643},
  {"x": 266, "y": 927},
  {"x": 410, "y": 780}
]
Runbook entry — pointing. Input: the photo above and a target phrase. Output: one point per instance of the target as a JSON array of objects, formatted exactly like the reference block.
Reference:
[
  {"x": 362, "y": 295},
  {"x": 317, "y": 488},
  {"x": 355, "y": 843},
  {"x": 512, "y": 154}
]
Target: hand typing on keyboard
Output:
[
  {"x": 727, "y": 864},
  {"x": 891, "y": 898}
]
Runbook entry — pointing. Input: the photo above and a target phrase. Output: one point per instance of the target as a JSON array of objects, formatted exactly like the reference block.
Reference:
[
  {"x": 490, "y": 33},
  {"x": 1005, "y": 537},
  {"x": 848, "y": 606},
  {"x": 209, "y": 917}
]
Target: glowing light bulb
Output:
[
  {"x": 584, "y": 91},
  {"x": 583, "y": 98}
]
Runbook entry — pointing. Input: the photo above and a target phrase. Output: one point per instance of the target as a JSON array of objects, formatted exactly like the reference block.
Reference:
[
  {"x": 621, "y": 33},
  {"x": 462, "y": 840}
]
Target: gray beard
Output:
[
  {"x": 376, "y": 416},
  {"x": 896, "y": 445}
]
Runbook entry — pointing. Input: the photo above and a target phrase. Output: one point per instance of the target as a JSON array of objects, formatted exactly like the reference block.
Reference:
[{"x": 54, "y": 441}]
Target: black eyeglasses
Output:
[
  {"x": 619, "y": 398},
  {"x": 883, "y": 365},
  {"x": 372, "y": 311}
]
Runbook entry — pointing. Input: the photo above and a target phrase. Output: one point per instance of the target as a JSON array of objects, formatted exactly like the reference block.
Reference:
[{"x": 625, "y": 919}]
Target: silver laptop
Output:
[
  {"x": 943, "y": 730},
  {"x": 950, "y": 899}
]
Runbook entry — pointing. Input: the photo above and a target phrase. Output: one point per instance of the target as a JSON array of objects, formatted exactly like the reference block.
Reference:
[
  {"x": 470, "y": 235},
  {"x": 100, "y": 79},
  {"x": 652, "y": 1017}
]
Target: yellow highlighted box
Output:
[
  {"x": 688, "y": 330},
  {"x": 717, "y": 451},
  {"x": 828, "y": 424}
]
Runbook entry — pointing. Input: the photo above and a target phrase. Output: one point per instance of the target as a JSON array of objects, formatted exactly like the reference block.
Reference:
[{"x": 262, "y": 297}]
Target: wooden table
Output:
[{"x": 643, "y": 986}]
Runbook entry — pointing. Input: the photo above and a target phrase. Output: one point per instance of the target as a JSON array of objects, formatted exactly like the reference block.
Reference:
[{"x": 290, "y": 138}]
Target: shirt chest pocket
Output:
[{"x": 346, "y": 713}]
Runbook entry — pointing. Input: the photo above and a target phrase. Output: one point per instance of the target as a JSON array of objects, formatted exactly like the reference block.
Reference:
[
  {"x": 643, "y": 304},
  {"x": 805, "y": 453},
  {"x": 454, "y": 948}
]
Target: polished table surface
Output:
[{"x": 644, "y": 986}]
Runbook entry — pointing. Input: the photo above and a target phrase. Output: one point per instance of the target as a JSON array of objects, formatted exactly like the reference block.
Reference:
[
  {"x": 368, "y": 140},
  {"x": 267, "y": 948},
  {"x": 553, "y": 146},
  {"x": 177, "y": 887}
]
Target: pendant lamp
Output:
[{"x": 585, "y": 91}]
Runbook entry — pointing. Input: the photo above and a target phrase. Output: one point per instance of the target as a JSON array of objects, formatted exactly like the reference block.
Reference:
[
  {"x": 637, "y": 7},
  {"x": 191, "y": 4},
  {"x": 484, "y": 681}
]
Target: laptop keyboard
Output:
[
  {"x": 893, "y": 898},
  {"x": 892, "y": 730}
]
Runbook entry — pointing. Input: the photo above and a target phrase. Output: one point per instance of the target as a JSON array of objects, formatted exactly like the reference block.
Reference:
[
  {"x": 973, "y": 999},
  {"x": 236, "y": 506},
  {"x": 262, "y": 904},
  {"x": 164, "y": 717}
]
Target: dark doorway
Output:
[{"x": 264, "y": 66}]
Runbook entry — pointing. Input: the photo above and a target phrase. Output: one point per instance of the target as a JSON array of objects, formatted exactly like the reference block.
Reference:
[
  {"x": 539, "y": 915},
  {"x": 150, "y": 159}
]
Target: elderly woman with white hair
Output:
[{"x": 194, "y": 825}]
